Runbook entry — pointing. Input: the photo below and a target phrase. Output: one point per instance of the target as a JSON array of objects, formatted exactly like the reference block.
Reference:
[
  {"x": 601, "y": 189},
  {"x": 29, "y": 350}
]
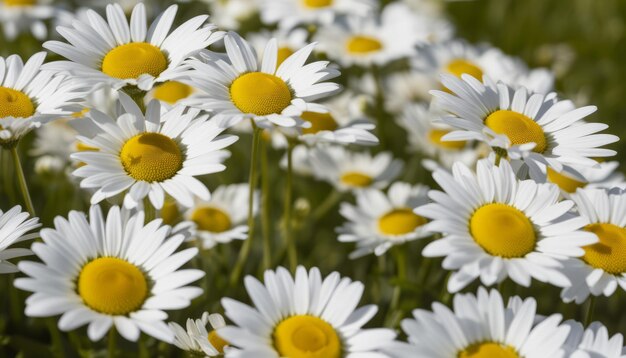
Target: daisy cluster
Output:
[{"x": 261, "y": 167}]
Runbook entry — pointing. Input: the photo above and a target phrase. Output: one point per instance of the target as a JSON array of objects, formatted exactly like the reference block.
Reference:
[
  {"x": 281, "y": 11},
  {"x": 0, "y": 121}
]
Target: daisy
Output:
[
  {"x": 14, "y": 228},
  {"x": 231, "y": 14},
  {"x": 602, "y": 268},
  {"x": 18, "y": 16},
  {"x": 301, "y": 160},
  {"x": 481, "y": 326},
  {"x": 594, "y": 342},
  {"x": 380, "y": 221},
  {"x": 534, "y": 128},
  {"x": 289, "y": 41},
  {"x": 302, "y": 317},
  {"x": 243, "y": 88},
  {"x": 602, "y": 175},
  {"x": 404, "y": 87},
  {"x": 289, "y": 13},
  {"x": 347, "y": 170},
  {"x": 495, "y": 226},
  {"x": 196, "y": 339},
  {"x": 30, "y": 97},
  {"x": 120, "y": 54},
  {"x": 148, "y": 156},
  {"x": 105, "y": 272},
  {"x": 170, "y": 93}
]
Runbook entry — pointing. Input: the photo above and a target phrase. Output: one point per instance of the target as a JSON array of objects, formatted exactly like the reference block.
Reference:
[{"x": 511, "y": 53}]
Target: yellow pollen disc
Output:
[
  {"x": 564, "y": 182},
  {"x": 502, "y": 230},
  {"x": 217, "y": 342},
  {"x": 15, "y": 104},
  {"x": 260, "y": 93},
  {"x": 459, "y": 66},
  {"x": 319, "y": 122},
  {"x": 283, "y": 54},
  {"x": 355, "y": 179},
  {"x": 519, "y": 128},
  {"x": 81, "y": 114},
  {"x": 361, "y": 45},
  {"x": 306, "y": 337},
  {"x": 20, "y": 2},
  {"x": 172, "y": 92},
  {"x": 112, "y": 286},
  {"x": 151, "y": 157},
  {"x": 610, "y": 253},
  {"x": 400, "y": 222},
  {"x": 169, "y": 212},
  {"x": 488, "y": 350},
  {"x": 434, "y": 135},
  {"x": 133, "y": 60},
  {"x": 317, "y": 3},
  {"x": 211, "y": 219}
]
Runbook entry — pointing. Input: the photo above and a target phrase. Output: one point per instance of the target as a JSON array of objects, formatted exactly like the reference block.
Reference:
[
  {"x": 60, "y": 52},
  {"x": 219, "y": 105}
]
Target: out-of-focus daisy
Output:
[
  {"x": 14, "y": 228},
  {"x": 301, "y": 160},
  {"x": 120, "y": 54},
  {"x": 243, "y": 88},
  {"x": 105, "y": 272},
  {"x": 18, "y": 16},
  {"x": 231, "y": 14},
  {"x": 406, "y": 87},
  {"x": 197, "y": 339},
  {"x": 533, "y": 128},
  {"x": 481, "y": 326},
  {"x": 380, "y": 221},
  {"x": 495, "y": 226},
  {"x": 152, "y": 154},
  {"x": 288, "y": 13},
  {"x": 170, "y": 92},
  {"x": 602, "y": 268},
  {"x": 603, "y": 175},
  {"x": 594, "y": 342},
  {"x": 302, "y": 317},
  {"x": 30, "y": 96},
  {"x": 289, "y": 42},
  {"x": 347, "y": 170}
]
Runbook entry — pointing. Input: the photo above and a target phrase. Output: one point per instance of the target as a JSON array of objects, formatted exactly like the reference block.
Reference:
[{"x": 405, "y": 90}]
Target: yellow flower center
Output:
[
  {"x": 564, "y": 182},
  {"x": 319, "y": 122},
  {"x": 283, "y": 54},
  {"x": 356, "y": 179},
  {"x": 519, "y": 128},
  {"x": 400, "y": 222},
  {"x": 133, "y": 60},
  {"x": 20, "y": 2},
  {"x": 434, "y": 135},
  {"x": 361, "y": 45},
  {"x": 151, "y": 157},
  {"x": 15, "y": 104},
  {"x": 81, "y": 113},
  {"x": 610, "y": 253},
  {"x": 172, "y": 92},
  {"x": 317, "y": 3},
  {"x": 260, "y": 93},
  {"x": 112, "y": 286},
  {"x": 217, "y": 342},
  {"x": 488, "y": 350},
  {"x": 211, "y": 219},
  {"x": 306, "y": 337},
  {"x": 459, "y": 66},
  {"x": 502, "y": 230}
]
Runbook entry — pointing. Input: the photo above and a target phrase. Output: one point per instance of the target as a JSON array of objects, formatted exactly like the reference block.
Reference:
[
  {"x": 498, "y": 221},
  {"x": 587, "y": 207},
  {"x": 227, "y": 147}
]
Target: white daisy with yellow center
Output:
[
  {"x": 351, "y": 171},
  {"x": 535, "y": 129},
  {"x": 495, "y": 226},
  {"x": 379, "y": 221},
  {"x": 481, "y": 326},
  {"x": 593, "y": 342},
  {"x": 289, "y": 13},
  {"x": 26, "y": 16},
  {"x": 14, "y": 227},
  {"x": 603, "y": 175},
  {"x": 119, "y": 54},
  {"x": 104, "y": 272},
  {"x": 302, "y": 317},
  {"x": 197, "y": 339},
  {"x": 151, "y": 155}
]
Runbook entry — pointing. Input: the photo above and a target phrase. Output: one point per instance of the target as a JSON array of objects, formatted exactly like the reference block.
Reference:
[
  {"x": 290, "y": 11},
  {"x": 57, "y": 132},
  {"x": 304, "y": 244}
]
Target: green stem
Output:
[
  {"x": 265, "y": 207},
  {"x": 400, "y": 260},
  {"x": 380, "y": 103},
  {"x": 292, "y": 253},
  {"x": 590, "y": 308},
  {"x": 328, "y": 203},
  {"x": 22, "y": 182},
  {"x": 55, "y": 336},
  {"x": 112, "y": 342},
  {"x": 137, "y": 95},
  {"x": 149, "y": 210},
  {"x": 445, "y": 296}
]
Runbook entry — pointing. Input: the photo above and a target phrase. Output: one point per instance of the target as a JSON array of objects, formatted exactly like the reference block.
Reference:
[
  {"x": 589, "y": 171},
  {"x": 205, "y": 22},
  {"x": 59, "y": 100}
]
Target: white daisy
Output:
[
  {"x": 14, "y": 228},
  {"x": 148, "y": 156},
  {"x": 481, "y": 326},
  {"x": 289, "y": 42},
  {"x": 19, "y": 16},
  {"x": 534, "y": 128},
  {"x": 602, "y": 175},
  {"x": 495, "y": 226},
  {"x": 289, "y": 13},
  {"x": 231, "y": 14},
  {"x": 404, "y": 87},
  {"x": 113, "y": 271},
  {"x": 120, "y": 54},
  {"x": 594, "y": 342},
  {"x": 302, "y": 317},
  {"x": 347, "y": 170},
  {"x": 196, "y": 339},
  {"x": 301, "y": 160},
  {"x": 380, "y": 221},
  {"x": 243, "y": 88}
]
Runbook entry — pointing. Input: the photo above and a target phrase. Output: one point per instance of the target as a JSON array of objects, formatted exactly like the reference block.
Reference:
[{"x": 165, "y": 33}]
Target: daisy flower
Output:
[
  {"x": 231, "y": 14},
  {"x": 602, "y": 175},
  {"x": 380, "y": 221},
  {"x": 289, "y": 13},
  {"x": 302, "y": 317},
  {"x": 243, "y": 88},
  {"x": 30, "y": 96},
  {"x": 301, "y": 160},
  {"x": 196, "y": 339},
  {"x": 602, "y": 268},
  {"x": 170, "y": 93},
  {"x": 404, "y": 87},
  {"x": 14, "y": 228},
  {"x": 148, "y": 156},
  {"x": 495, "y": 226},
  {"x": 18, "y": 16},
  {"x": 347, "y": 170},
  {"x": 481, "y": 326},
  {"x": 594, "y": 342},
  {"x": 534, "y": 128},
  {"x": 289, "y": 41},
  {"x": 120, "y": 54},
  {"x": 104, "y": 272}
]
